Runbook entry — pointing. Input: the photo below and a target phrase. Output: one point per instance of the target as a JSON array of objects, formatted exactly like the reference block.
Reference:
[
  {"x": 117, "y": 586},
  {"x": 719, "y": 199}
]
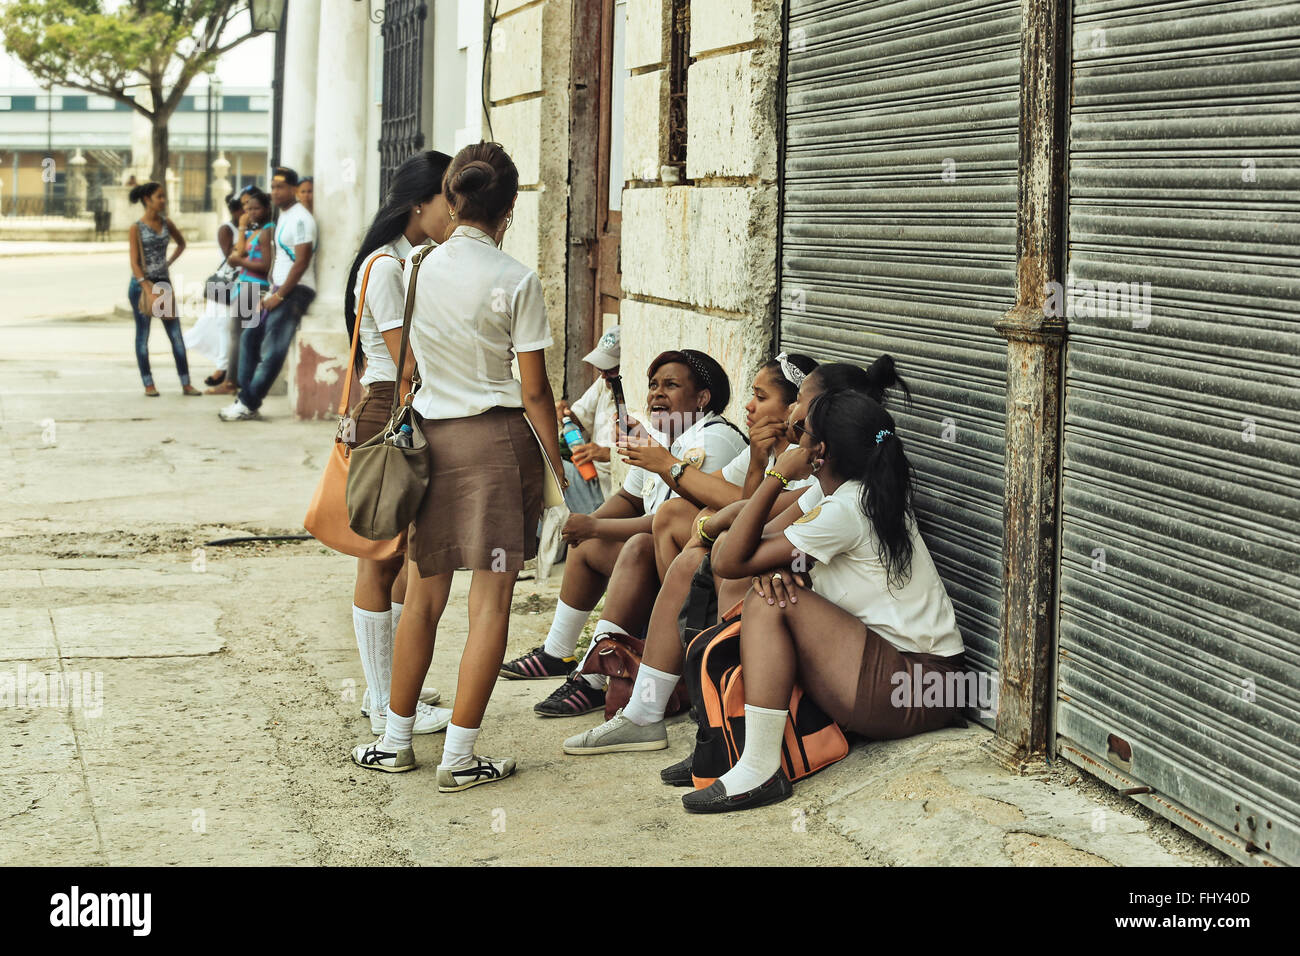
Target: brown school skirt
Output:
[
  {"x": 484, "y": 497},
  {"x": 371, "y": 414},
  {"x": 885, "y": 709}
]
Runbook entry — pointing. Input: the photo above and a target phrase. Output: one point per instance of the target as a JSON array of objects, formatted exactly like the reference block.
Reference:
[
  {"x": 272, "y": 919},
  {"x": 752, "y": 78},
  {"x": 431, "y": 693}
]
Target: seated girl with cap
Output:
[{"x": 687, "y": 391}]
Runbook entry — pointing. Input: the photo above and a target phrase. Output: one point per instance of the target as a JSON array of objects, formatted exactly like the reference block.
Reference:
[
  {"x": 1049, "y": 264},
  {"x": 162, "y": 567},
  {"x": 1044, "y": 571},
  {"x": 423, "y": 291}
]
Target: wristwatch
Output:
[{"x": 675, "y": 472}]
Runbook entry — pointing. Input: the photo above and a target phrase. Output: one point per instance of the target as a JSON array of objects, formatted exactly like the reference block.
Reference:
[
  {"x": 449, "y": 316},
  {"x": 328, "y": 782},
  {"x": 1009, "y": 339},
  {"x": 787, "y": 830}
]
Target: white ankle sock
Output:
[
  {"x": 761, "y": 757},
  {"x": 650, "y": 696},
  {"x": 374, "y": 631},
  {"x": 397, "y": 732},
  {"x": 397, "y": 615},
  {"x": 603, "y": 627},
  {"x": 566, "y": 628},
  {"x": 459, "y": 746}
]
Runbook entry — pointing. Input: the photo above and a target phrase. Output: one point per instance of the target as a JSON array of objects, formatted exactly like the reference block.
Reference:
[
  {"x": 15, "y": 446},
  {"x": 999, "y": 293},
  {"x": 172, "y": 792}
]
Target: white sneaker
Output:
[
  {"x": 375, "y": 757},
  {"x": 428, "y": 695},
  {"x": 477, "y": 770},
  {"x": 237, "y": 411},
  {"x": 428, "y": 720}
]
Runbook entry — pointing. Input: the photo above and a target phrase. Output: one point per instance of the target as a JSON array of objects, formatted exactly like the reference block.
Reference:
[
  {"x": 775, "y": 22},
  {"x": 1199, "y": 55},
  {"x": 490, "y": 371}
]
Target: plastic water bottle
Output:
[
  {"x": 573, "y": 438},
  {"x": 403, "y": 437}
]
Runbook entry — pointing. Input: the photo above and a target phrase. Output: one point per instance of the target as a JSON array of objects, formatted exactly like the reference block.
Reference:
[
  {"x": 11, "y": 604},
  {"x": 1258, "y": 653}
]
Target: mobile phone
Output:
[{"x": 620, "y": 404}]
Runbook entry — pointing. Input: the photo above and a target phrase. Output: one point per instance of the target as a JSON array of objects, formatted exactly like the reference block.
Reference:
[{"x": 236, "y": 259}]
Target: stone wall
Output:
[
  {"x": 529, "y": 97},
  {"x": 699, "y": 259}
]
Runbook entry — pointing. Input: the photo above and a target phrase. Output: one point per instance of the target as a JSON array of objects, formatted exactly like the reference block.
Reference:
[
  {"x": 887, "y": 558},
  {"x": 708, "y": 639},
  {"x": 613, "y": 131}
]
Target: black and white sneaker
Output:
[
  {"x": 376, "y": 757},
  {"x": 479, "y": 770}
]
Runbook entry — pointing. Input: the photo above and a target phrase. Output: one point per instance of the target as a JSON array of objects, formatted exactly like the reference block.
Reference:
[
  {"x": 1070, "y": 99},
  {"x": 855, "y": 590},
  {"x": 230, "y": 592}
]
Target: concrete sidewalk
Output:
[{"x": 221, "y": 683}]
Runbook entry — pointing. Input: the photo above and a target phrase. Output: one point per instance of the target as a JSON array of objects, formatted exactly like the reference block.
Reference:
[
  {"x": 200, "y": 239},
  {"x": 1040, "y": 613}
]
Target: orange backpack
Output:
[{"x": 713, "y": 678}]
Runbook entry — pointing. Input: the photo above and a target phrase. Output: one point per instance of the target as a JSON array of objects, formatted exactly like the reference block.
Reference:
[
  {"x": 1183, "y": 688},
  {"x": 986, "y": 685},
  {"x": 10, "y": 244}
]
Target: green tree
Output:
[{"x": 107, "y": 47}]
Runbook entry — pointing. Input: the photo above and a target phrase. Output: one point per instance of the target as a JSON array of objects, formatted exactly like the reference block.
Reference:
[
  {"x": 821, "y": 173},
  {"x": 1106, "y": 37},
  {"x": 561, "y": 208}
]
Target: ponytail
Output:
[
  {"x": 882, "y": 375},
  {"x": 415, "y": 182},
  {"x": 143, "y": 191},
  {"x": 861, "y": 445}
]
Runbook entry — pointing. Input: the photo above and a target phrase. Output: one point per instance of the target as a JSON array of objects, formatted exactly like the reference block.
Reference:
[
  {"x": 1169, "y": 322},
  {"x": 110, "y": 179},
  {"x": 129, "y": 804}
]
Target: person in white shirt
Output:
[
  {"x": 476, "y": 311},
  {"x": 414, "y": 212},
  {"x": 264, "y": 344},
  {"x": 687, "y": 391},
  {"x": 878, "y": 611},
  {"x": 782, "y": 391},
  {"x": 595, "y": 412}
]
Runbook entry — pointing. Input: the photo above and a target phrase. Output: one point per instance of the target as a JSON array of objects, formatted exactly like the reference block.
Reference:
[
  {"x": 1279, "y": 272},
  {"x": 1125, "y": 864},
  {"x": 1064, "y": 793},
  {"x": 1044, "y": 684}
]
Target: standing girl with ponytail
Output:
[
  {"x": 878, "y": 609},
  {"x": 150, "y": 292},
  {"x": 475, "y": 309},
  {"x": 413, "y": 213}
]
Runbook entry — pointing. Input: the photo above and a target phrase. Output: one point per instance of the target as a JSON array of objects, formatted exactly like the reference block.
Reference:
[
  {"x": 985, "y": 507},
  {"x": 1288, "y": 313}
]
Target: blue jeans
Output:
[
  {"x": 171, "y": 326},
  {"x": 264, "y": 345},
  {"x": 582, "y": 496}
]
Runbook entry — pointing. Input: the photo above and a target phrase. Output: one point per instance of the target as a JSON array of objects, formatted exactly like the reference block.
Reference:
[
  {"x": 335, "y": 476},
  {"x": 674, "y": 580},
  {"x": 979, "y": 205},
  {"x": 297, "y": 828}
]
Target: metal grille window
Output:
[
  {"x": 679, "y": 61},
  {"x": 400, "y": 133}
]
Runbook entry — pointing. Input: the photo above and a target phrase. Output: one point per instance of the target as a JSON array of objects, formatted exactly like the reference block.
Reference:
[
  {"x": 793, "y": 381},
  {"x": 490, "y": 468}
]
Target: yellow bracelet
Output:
[
  {"x": 778, "y": 476},
  {"x": 699, "y": 529}
]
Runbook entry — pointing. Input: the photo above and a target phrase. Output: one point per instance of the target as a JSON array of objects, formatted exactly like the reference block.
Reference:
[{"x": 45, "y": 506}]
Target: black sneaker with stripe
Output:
[
  {"x": 571, "y": 699},
  {"x": 537, "y": 665}
]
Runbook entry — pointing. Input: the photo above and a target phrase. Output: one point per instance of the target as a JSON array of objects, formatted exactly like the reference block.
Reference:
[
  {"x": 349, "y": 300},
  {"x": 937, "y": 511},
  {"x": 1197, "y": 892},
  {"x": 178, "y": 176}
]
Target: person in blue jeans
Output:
[
  {"x": 264, "y": 345},
  {"x": 150, "y": 292}
]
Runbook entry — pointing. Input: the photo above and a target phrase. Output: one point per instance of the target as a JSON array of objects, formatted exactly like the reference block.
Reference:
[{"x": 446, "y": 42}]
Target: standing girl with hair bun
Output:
[
  {"x": 475, "y": 309},
  {"x": 150, "y": 292}
]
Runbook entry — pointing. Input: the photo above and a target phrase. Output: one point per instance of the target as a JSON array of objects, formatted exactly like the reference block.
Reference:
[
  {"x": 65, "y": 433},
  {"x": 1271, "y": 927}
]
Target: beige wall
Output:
[
  {"x": 529, "y": 112},
  {"x": 699, "y": 260}
]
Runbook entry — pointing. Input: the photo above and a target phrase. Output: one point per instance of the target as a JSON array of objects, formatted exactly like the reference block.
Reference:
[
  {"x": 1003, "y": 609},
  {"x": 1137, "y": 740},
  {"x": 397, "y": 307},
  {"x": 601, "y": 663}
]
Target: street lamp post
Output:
[
  {"x": 268, "y": 15},
  {"x": 207, "y": 155}
]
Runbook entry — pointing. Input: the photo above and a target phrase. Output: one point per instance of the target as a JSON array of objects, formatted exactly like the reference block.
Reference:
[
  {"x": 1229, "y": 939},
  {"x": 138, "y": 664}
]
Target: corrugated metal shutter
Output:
[
  {"x": 899, "y": 235},
  {"x": 1180, "y": 579}
]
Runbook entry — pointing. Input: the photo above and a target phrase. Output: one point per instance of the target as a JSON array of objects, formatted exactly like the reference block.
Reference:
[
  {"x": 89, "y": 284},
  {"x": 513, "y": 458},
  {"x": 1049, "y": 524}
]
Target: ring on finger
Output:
[{"x": 777, "y": 577}]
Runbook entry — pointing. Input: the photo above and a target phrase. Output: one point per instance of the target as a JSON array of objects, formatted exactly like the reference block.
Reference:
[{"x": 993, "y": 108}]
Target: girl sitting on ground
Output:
[
  {"x": 878, "y": 609},
  {"x": 641, "y": 722},
  {"x": 687, "y": 392}
]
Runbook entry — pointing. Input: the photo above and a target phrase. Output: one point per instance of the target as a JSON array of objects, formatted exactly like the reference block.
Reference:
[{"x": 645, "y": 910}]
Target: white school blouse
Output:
[
  {"x": 475, "y": 307},
  {"x": 708, "y": 444},
  {"x": 736, "y": 470},
  {"x": 916, "y": 617},
  {"x": 384, "y": 307}
]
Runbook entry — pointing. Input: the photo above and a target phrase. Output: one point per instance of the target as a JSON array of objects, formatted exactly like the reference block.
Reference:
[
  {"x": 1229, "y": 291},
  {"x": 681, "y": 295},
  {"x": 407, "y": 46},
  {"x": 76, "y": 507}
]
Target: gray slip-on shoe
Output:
[{"x": 616, "y": 735}]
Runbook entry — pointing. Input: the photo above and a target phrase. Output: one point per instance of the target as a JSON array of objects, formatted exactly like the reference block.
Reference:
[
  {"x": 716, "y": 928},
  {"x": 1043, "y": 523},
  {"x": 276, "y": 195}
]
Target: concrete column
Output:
[
  {"x": 320, "y": 354},
  {"x": 141, "y": 141},
  {"x": 302, "y": 35},
  {"x": 220, "y": 186},
  {"x": 76, "y": 184},
  {"x": 1030, "y": 557}
]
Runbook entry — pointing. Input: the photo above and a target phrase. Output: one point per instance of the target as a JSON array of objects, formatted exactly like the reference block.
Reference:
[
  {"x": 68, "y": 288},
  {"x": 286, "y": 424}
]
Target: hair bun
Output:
[{"x": 474, "y": 176}]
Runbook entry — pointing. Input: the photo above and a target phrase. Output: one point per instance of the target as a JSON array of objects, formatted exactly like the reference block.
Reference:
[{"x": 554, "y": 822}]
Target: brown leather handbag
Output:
[
  {"x": 327, "y": 515},
  {"x": 618, "y": 657}
]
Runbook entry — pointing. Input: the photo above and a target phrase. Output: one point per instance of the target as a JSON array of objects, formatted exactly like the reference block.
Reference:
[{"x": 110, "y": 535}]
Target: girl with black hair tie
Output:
[
  {"x": 150, "y": 292},
  {"x": 414, "y": 212},
  {"x": 476, "y": 311},
  {"x": 879, "y": 608}
]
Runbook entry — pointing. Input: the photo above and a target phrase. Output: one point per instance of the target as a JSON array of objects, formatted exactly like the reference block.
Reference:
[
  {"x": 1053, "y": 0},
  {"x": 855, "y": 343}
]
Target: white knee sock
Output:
[
  {"x": 566, "y": 628},
  {"x": 397, "y": 732},
  {"x": 650, "y": 696},
  {"x": 397, "y": 615},
  {"x": 375, "y": 642},
  {"x": 603, "y": 627},
  {"x": 459, "y": 745},
  {"x": 761, "y": 757}
]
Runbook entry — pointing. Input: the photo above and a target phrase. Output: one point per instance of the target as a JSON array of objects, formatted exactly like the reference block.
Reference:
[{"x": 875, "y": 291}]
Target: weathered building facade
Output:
[{"x": 1075, "y": 226}]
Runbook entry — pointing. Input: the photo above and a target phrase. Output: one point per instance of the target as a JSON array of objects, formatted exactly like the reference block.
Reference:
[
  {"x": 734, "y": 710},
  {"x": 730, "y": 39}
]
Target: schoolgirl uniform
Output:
[
  {"x": 736, "y": 470},
  {"x": 709, "y": 445},
  {"x": 908, "y": 626},
  {"x": 475, "y": 307},
  {"x": 382, "y": 311}
]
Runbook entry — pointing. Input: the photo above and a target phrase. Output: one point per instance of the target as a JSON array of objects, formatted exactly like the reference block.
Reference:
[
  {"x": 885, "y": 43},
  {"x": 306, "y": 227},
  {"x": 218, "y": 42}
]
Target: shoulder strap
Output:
[
  {"x": 416, "y": 257},
  {"x": 356, "y": 333}
]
